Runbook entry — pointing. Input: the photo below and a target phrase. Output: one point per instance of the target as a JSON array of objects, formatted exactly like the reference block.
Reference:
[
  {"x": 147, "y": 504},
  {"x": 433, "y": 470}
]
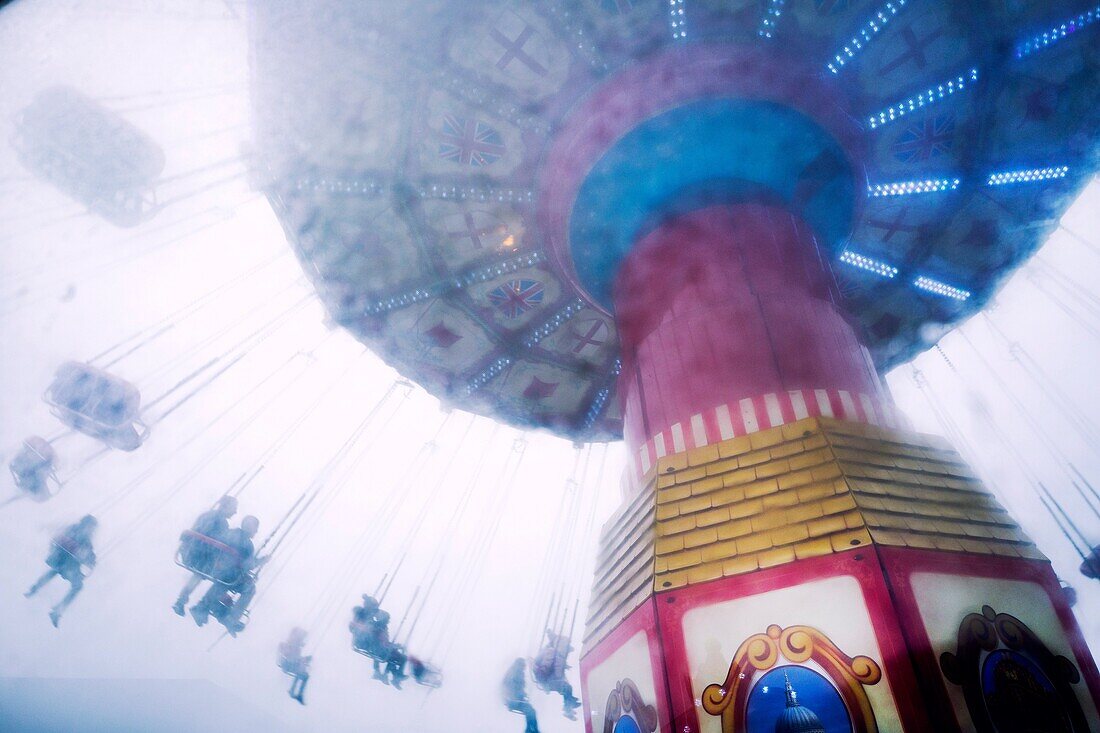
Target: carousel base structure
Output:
[{"x": 827, "y": 576}]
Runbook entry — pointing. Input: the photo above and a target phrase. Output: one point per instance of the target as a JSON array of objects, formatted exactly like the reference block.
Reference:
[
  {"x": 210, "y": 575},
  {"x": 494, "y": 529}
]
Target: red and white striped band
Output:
[{"x": 760, "y": 413}]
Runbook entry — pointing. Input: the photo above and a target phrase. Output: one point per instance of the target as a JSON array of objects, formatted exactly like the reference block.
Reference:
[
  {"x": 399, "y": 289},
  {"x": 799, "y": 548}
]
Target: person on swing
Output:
[
  {"x": 295, "y": 664},
  {"x": 70, "y": 552},
  {"x": 549, "y": 671},
  {"x": 235, "y": 574},
  {"x": 198, "y": 555},
  {"x": 514, "y": 693}
]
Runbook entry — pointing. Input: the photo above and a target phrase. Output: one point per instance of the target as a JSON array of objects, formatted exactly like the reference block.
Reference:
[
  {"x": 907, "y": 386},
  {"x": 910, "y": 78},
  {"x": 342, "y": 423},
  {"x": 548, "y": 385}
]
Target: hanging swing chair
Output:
[
  {"x": 212, "y": 559},
  {"x": 374, "y": 648},
  {"x": 222, "y": 610},
  {"x": 67, "y": 546},
  {"x": 91, "y": 154},
  {"x": 34, "y": 469},
  {"x": 97, "y": 404}
]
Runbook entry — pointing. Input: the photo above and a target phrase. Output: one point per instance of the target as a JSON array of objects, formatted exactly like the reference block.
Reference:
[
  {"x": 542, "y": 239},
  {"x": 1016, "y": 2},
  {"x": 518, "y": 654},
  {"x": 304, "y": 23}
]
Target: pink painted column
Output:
[{"x": 729, "y": 324}]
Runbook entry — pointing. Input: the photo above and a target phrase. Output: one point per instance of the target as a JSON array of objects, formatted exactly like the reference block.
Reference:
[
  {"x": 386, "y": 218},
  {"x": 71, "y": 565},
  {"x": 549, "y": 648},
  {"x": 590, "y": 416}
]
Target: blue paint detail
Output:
[
  {"x": 626, "y": 724},
  {"x": 707, "y": 152},
  {"x": 768, "y": 699}
]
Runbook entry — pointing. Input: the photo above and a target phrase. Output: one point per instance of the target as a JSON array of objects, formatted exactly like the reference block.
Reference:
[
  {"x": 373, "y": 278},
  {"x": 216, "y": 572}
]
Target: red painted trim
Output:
[
  {"x": 644, "y": 619},
  {"x": 860, "y": 564},
  {"x": 884, "y": 415},
  {"x": 901, "y": 563}
]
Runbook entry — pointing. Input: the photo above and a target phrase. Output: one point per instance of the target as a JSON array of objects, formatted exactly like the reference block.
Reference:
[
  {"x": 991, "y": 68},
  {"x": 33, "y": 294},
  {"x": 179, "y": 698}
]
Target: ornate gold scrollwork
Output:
[
  {"x": 797, "y": 645},
  {"x": 626, "y": 699},
  {"x": 981, "y": 634}
]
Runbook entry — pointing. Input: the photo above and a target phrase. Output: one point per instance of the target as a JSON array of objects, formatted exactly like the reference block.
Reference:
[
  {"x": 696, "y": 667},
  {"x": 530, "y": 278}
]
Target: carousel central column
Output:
[
  {"x": 789, "y": 557},
  {"x": 729, "y": 325}
]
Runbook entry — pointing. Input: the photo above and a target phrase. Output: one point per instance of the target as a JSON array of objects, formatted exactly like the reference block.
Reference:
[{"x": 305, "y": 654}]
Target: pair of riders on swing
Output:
[
  {"x": 226, "y": 556},
  {"x": 370, "y": 634},
  {"x": 548, "y": 669}
]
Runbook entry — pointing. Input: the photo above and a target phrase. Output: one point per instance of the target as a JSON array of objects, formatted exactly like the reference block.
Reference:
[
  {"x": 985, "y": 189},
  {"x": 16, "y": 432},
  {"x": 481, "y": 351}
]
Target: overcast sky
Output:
[{"x": 72, "y": 285}]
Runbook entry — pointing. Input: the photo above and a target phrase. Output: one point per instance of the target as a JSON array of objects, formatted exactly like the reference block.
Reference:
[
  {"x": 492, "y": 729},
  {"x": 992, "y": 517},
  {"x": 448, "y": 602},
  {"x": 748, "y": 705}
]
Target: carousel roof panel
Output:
[{"x": 409, "y": 154}]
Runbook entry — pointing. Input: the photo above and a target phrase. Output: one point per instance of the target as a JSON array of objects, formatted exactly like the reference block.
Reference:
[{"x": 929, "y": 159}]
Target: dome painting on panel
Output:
[{"x": 813, "y": 693}]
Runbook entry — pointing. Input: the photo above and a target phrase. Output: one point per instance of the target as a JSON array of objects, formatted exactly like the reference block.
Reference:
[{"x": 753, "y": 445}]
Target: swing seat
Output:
[
  {"x": 374, "y": 654},
  {"x": 209, "y": 558},
  {"x": 432, "y": 679},
  {"x": 548, "y": 684},
  {"x": 90, "y": 153},
  {"x": 545, "y": 672},
  {"x": 242, "y": 621},
  {"x": 224, "y": 605},
  {"x": 33, "y": 469},
  {"x": 67, "y": 547},
  {"x": 378, "y": 652},
  {"x": 294, "y": 671},
  {"x": 97, "y": 404}
]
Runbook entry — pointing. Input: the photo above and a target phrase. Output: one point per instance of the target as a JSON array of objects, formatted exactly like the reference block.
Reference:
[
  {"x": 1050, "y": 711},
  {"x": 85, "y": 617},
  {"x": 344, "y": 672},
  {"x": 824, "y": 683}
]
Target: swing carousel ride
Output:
[
  {"x": 706, "y": 228},
  {"x": 709, "y": 227}
]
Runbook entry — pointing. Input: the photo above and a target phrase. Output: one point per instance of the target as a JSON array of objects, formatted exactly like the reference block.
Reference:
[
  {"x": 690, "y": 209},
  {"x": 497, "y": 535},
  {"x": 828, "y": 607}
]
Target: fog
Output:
[{"x": 421, "y": 488}]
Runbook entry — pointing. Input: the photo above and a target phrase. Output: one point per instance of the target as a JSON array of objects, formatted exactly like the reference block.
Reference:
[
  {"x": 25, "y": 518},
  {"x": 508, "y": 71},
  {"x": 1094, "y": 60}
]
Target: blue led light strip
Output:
[
  {"x": 596, "y": 408},
  {"x": 904, "y": 188},
  {"x": 1041, "y": 41},
  {"x": 554, "y": 323},
  {"x": 923, "y": 99},
  {"x": 1027, "y": 175},
  {"x": 867, "y": 31},
  {"x": 771, "y": 18},
  {"x": 340, "y": 185},
  {"x": 473, "y": 193},
  {"x": 869, "y": 264},
  {"x": 935, "y": 287},
  {"x": 478, "y": 275},
  {"x": 482, "y": 379},
  {"x": 676, "y": 19}
]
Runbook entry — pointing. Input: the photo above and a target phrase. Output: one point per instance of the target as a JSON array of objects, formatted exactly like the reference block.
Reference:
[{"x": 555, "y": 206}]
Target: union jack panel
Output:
[
  {"x": 930, "y": 137},
  {"x": 460, "y": 140},
  {"x": 514, "y": 298},
  {"x": 924, "y": 143}
]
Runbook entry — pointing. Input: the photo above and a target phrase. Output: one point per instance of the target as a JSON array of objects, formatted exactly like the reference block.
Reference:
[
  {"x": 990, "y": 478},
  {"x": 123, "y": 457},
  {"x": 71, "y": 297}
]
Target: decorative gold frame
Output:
[
  {"x": 796, "y": 644},
  {"x": 627, "y": 699},
  {"x": 985, "y": 632}
]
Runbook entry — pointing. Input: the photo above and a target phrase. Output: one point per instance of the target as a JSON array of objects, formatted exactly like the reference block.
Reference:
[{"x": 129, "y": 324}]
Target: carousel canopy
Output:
[{"x": 461, "y": 178}]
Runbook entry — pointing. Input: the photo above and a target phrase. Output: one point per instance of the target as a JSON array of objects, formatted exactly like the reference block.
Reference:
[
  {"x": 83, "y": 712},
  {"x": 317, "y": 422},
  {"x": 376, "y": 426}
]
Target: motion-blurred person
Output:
[
  {"x": 234, "y": 575},
  {"x": 361, "y": 619},
  {"x": 200, "y": 555},
  {"x": 292, "y": 661},
  {"x": 549, "y": 671},
  {"x": 70, "y": 553},
  {"x": 378, "y": 642},
  {"x": 514, "y": 692}
]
